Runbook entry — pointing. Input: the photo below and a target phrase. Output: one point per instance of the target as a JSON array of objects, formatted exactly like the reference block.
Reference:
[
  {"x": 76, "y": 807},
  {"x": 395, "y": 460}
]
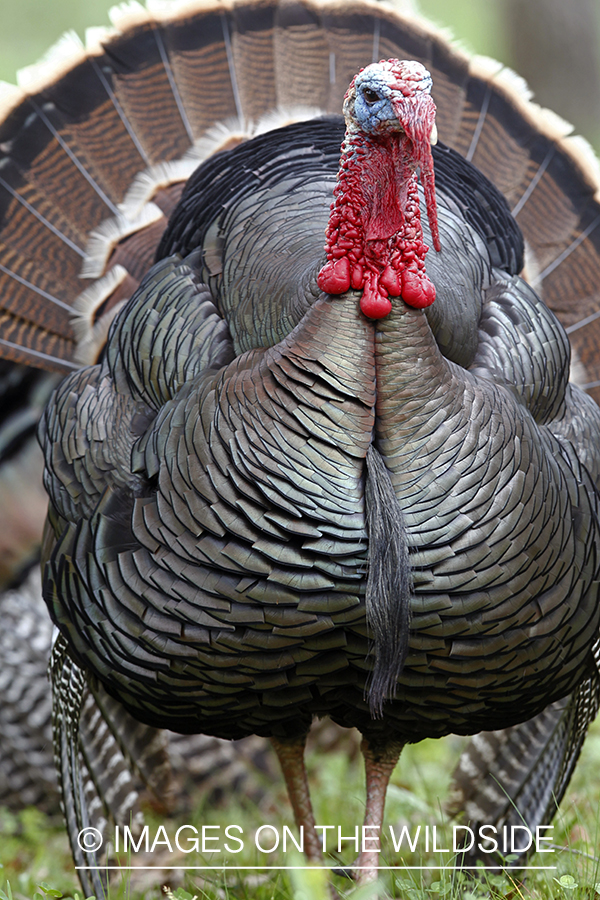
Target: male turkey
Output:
[{"x": 280, "y": 491}]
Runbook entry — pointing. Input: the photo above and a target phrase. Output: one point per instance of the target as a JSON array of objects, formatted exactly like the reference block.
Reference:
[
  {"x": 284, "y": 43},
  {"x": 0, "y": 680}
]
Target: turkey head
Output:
[{"x": 374, "y": 239}]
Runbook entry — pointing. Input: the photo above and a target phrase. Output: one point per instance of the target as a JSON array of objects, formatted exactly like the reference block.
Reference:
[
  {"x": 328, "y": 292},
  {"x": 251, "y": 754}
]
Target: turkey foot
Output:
[
  {"x": 290, "y": 753},
  {"x": 380, "y": 761}
]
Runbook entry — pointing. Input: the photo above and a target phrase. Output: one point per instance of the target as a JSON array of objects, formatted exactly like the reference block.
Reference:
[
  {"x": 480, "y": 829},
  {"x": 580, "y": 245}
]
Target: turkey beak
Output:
[{"x": 416, "y": 116}]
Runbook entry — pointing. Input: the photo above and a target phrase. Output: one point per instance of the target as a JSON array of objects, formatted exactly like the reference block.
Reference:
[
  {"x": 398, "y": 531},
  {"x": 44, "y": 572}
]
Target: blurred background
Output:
[{"x": 553, "y": 44}]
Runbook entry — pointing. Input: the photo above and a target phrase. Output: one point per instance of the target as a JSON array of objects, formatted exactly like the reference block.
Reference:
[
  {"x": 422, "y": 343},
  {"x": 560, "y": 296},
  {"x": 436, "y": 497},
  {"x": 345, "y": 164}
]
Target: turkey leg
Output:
[
  {"x": 290, "y": 753},
  {"x": 380, "y": 761}
]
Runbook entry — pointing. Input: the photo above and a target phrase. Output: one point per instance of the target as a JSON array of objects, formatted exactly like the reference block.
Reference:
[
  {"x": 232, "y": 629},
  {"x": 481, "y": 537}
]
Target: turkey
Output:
[{"x": 294, "y": 481}]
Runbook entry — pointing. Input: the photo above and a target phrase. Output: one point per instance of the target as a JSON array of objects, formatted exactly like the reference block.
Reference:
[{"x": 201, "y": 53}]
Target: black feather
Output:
[{"x": 389, "y": 584}]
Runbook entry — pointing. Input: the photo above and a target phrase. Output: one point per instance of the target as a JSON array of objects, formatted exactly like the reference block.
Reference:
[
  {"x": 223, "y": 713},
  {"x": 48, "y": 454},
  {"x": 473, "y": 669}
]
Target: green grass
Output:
[{"x": 33, "y": 850}]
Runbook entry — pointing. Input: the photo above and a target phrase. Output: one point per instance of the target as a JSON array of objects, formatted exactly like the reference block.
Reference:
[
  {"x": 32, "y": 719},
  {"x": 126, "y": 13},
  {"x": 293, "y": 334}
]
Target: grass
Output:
[{"x": 34, "y": 851}]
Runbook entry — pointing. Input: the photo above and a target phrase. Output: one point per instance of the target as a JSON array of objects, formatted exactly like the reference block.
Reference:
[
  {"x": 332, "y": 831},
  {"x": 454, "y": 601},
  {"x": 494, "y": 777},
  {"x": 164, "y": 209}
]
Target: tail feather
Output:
[
  {"x": 349, "y": 33},
  {"x": 112, "y": 738},
  {"x": 201, "y": 52},
  {"x": 42, "y": 304},
  {"x": 253, "y": 60},
  {"x": 87, "y": 127},
  {"x": 50, "y": 158},
  {"x": 553, "y": 195},
  {"x": 144, "y": 85},
  {"x": 89, "y": 119},
  {"x": 68, "y": 688},
  {"x": 36, "y": 220},
  {"x": 301, "y": 52},
  {"x": 22, "y": 342}
]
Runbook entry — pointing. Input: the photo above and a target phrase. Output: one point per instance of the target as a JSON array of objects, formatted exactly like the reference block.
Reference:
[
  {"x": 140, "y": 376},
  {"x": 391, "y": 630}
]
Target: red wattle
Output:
[
  {"x": 334, "y": 277},
  {"x": 373, "y": 304},
  {"x": 375, "y": 307},
  {"x": 417, "y": 290},
  {"x": 357, "y": 277},
  {"x": 390, "y": 279},
  {"x": 374, "y": 238}
]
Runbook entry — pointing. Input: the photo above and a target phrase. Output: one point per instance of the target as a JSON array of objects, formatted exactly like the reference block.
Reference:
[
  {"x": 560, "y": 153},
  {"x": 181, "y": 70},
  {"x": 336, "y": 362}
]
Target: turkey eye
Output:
[{"x": 370, "y": 96}]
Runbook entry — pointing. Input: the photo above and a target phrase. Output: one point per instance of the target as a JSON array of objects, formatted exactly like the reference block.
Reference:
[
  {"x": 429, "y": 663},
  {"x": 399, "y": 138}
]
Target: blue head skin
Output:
[{"x": 380, "y": 96}]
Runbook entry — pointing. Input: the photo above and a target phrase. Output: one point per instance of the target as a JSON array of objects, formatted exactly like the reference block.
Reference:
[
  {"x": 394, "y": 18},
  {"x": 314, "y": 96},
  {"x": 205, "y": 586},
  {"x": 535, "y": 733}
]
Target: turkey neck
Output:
[
  {"x": 374, "y": 182},
  {"x": 417, "y": 388},
  {"x": 374, "y": 236}
]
